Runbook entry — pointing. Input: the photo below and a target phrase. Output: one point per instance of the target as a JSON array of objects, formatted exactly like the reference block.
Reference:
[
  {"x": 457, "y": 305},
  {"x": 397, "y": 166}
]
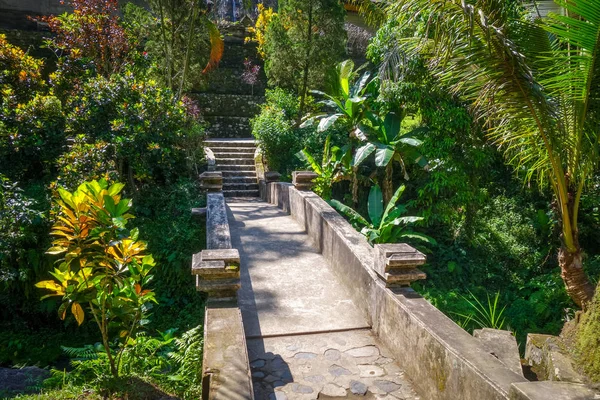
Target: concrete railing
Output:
[
  {"x": 226, "y": 368},
  {"x": 442, "y": 360}
]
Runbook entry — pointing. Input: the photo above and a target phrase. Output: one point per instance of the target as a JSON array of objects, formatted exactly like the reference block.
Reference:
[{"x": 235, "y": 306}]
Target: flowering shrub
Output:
[
  {"x": 92, "y": 31},
  {"x": 250, "y": 74}
]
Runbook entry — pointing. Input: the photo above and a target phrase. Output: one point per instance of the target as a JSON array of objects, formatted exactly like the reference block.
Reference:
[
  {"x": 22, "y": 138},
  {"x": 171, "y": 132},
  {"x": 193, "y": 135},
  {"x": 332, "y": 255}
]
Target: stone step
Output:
[
  {"x": 246, "y": 168},
  {"x": 235, "y": 161},
  {"x": 240, "y": 186},
  {"x": 239, "y": 143},
  {"x": 222, "y": 155},
  {"x": 233, "y": 105},
  {"x": 232, "y": 150},
  {"x": 239, "y": 179},
  {"x": 240, "y": 193},
  {"x": 238, "y": 174}
]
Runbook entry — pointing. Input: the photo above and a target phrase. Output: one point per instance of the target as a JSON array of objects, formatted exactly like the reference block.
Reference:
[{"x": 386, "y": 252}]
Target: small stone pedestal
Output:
[
  {"x": 397, "y": 264},
  {"x": 272, "y": 176},
  {"x": 303, "y": 180},
  {"x": 211, "y": 181},
  {"x": 217, "y": 273}
]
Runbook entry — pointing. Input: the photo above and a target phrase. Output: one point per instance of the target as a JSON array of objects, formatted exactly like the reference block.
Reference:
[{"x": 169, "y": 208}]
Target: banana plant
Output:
[
  {"x": 335, "y": 167},
  {"x": 384, "y": 225},
  {"x": 347, "y": 98},
  {"x": 348, "y": 101},
  {"x": 386, "y": 140}
]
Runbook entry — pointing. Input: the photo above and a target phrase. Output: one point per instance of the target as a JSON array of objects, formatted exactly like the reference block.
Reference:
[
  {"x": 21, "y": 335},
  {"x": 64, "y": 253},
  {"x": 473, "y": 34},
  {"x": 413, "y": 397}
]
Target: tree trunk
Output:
[
  {"x": 576, "y": 280},
  {"x": 388, "y": 184},
  {"x": 306, "y": 62}
]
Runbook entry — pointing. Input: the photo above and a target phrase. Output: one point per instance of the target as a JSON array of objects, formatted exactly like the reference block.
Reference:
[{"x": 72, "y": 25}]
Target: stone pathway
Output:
[{"x": 306, "y": 338}]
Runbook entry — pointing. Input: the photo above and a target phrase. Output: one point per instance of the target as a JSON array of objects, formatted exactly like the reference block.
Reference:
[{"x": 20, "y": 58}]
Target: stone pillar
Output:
[
  {"x": 217, "y": 273},
  {"x": 303, "y": 180},
  {"x": 211, "y": 181},
  {"x": 396, "y": 264}
]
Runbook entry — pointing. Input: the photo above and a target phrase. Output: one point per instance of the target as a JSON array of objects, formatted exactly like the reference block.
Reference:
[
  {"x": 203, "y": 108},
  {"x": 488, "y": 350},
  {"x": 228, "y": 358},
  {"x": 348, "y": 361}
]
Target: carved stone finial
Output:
[
  {"x": 217, "y": 272},
  {"x": 396, "y": 264},
  {"x": 211, "y": 181},
  {"x": 303, "y": 180}
]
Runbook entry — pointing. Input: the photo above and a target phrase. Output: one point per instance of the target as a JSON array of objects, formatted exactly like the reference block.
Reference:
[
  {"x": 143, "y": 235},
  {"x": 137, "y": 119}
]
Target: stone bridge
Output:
[{"x": 300, "y": 306}]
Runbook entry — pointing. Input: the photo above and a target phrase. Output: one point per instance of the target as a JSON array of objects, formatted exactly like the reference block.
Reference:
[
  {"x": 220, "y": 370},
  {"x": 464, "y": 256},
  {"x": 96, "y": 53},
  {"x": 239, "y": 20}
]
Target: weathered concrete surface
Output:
[
  {"x": 330, "y": 365},
  {"x": 550, "y": 360},
  {"x": 502, "y": 345},
  {"x": 217, "y": 233},
  {"x": 442, "y": 359},
  {"x": 287, "y": 286},
  {"x": 551, "y": 391},
  {"x": 225, "y": 359}
]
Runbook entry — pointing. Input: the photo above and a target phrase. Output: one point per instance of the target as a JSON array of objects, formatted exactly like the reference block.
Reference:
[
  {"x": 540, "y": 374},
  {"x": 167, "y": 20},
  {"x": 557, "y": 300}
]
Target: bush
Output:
[
  {"x": 280, "y": 139},
  {"x": 140, "y": 127},
  {"x": 23, "y": 230}
]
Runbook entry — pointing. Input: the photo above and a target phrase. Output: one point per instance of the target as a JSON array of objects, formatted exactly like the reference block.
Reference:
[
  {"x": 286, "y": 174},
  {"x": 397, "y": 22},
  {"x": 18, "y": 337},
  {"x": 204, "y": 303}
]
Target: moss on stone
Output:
[{"x": 588, "y": 340}]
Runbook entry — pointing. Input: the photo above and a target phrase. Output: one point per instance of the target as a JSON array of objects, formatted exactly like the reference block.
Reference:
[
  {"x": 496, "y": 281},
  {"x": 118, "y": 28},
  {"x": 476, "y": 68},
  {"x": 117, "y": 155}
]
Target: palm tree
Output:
[{"x": 534, "y": 85}]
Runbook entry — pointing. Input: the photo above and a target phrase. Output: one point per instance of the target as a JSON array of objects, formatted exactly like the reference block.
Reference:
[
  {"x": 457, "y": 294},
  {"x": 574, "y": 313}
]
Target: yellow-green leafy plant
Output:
[{"x": 103, "y": 266}]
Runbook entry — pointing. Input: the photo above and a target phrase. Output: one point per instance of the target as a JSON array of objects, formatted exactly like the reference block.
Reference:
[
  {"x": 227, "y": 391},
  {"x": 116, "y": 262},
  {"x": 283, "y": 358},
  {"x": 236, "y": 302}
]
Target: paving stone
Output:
[
  {"x": 370, "y": 371},
  {"x": 339, "y": 341},
  {"x": 298, "y": 388},
  {"x": 278, "y": 384},
  {"x": 365, "y": 351},
  {"x": 315, "y": 378},
  {"x": 336, "y": 370},
  {"x": 332, "y": 354},
  {"x": 278, "y": 396},
  {"x": 359, "y": 388},
  {"x": 258, "y": 374},
  {"x": 333, "y": 390},
  {"x": 387, "y": 386},
  {"x": 257, "y": 364},
  {"x": 304, "y": 356},
  {"x": 284, "y": 375},
  {"x": 293, "y": 347},
  {"x": 271, "y": 378}
]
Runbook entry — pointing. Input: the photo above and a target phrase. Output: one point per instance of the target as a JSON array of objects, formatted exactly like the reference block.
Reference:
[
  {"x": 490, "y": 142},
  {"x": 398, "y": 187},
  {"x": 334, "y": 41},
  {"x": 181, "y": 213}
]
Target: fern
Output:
[{"x": 87, "y": 352}]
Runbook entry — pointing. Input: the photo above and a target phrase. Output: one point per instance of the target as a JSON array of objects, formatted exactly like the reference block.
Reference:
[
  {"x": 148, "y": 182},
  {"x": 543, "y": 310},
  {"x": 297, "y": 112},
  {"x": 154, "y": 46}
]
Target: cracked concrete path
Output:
[{"x": 306, "y": 337}]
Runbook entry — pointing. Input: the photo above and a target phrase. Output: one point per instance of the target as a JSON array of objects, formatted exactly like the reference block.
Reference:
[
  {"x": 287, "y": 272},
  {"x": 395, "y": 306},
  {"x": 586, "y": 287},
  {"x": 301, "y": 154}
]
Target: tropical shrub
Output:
[
  {"x": 138, "y": 125},
  {"x": 334, "y": 167},
  {"x": 103, "y": 265},
  {"x": 384, "y": 225}
]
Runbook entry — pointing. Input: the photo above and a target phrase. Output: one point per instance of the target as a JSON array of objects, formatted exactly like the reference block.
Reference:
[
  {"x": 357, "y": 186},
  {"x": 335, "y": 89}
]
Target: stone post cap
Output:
[
  {"x": 217, "y": 272},
  {"x": 211, "y": 181},
  {"x": 303, "y": 180},
  {"x": 272, "y": 176},
  {"x": 396, "y": 264}
]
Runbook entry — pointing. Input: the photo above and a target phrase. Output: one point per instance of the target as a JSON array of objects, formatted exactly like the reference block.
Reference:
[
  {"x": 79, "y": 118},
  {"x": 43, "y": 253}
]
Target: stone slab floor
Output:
[{"x": 306, "y": 338}]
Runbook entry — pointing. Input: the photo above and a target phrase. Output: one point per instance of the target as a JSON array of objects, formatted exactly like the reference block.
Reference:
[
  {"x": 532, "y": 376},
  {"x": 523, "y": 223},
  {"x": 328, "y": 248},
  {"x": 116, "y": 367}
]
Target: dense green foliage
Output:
[
  {"x": 302, "y": 42},
  {"x": 280, "y": 139},
  {"x": 86, "y": 122}
]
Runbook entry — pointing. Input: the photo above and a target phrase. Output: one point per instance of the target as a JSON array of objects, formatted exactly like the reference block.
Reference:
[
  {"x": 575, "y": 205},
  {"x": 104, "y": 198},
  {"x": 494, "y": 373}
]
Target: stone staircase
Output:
[{"x": 235, "y": 159}]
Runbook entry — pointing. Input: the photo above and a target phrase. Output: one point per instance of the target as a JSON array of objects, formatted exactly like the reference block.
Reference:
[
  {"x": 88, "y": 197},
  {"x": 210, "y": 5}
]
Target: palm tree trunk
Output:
[{"x": 576, "y": 280}]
